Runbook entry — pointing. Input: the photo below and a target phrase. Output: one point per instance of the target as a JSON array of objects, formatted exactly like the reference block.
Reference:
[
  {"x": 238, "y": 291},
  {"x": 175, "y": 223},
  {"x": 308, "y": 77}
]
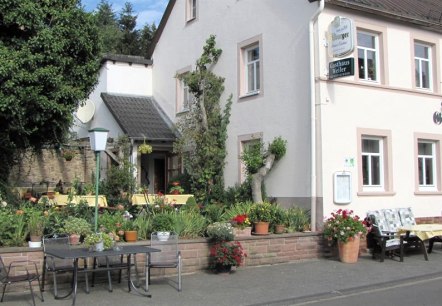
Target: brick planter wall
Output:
[{"x": 261, "y": 250}]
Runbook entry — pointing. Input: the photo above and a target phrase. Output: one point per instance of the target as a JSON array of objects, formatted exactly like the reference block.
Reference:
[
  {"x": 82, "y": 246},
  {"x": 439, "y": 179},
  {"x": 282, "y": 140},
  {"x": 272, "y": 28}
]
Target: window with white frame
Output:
[
  {"x": 426, "y": 160},
  {"x": 250, "y": 67},
  {"x": 183, "y": 96},
  {"x": 422, "y": 65},
  {"x": 368, "y": 56},
  {"x": 191, "y": 6},
  {"x": 372, "y": 163}
]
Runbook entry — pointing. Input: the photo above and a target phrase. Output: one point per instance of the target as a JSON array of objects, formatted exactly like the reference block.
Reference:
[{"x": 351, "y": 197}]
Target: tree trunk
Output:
[{"x": 258, "y": 177}]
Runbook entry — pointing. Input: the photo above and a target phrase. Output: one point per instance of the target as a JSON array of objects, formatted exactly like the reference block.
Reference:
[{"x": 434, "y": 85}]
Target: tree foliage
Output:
[
  {"x": 204, "y": 127},
  {"x": 259, "y": 161},
  {"x": 120, "y": 34},
  {"x": 49, "y": 63}
]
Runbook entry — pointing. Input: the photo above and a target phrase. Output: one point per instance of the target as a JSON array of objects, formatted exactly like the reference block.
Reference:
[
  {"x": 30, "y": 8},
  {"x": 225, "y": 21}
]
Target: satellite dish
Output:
[{"x": 86, "y": 111}]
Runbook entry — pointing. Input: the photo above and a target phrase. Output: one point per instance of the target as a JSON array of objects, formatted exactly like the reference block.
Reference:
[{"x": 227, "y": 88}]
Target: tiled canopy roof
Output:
[{"x": 140, "y": 117}]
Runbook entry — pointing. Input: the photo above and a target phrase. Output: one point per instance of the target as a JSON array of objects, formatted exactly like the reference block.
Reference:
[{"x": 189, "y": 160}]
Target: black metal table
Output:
[{"x": 76, "y": 253}]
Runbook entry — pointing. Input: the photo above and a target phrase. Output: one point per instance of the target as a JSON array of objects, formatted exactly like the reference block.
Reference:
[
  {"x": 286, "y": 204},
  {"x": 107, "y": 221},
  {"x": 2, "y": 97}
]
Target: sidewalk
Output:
[{"x": 283, "y": 284}]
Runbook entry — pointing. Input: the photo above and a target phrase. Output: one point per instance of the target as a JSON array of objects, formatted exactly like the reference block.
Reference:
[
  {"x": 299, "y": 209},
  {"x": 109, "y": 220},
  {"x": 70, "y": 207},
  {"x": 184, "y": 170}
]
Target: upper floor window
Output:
[
  {"x": 250, "y": 67},
  {"x": 422, "y": 65},
  {"x": 183, "y": 96},
  {"x": 368, "y": 56},
  {"x": 191, "y": 6}
]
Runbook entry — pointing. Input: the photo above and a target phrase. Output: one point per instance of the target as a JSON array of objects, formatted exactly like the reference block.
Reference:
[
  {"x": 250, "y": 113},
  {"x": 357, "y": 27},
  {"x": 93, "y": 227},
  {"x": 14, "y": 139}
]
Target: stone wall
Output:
[
  {"x": 51, "y": 166},
  {"x": 261, "y": 250}
]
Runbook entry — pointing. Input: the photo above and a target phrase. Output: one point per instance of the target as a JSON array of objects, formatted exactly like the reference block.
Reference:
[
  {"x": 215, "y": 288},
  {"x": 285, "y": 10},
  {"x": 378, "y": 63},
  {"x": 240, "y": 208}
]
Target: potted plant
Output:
[
  {"x": 346, "y": 229},
  {"x": 76, "y": 227},
  {"x": 99, "y": 241},
  {"x": 144, "y": 148},
  {"x": 162, "y": 224},
  {"x": 241, "y": 225},
  {"x": 220, "y": 231},
  {"x": 261, "y": 216},
  {"x": 36, "y": 226},
  {"x": 130, "y": 232},
  {"x": 224, "y": 255},
  {"x": 176, "y": 188},
  {"x": 279, "y": 219}
]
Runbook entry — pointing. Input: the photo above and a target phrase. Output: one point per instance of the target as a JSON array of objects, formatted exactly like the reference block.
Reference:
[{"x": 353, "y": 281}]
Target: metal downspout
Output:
[{"x": 313, "y": 114}]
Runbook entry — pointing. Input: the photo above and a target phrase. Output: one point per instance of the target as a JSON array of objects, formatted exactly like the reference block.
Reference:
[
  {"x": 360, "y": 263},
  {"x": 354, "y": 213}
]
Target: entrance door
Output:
[{"x": 160, "y": 177}]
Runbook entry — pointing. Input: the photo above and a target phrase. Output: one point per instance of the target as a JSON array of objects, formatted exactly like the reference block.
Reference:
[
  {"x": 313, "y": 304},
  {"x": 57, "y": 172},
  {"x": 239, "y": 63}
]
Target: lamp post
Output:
[{"x": 98, "y": 139}]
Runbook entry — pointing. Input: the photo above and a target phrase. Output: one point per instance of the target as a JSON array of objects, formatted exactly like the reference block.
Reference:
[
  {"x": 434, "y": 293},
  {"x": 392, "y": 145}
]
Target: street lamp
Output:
[{"x": 98, "y": 139}]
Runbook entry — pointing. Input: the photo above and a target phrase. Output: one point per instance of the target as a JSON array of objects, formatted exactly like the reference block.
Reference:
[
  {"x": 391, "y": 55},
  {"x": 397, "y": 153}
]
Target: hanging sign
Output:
[
  {"x": 341, "y": 68},
  {"x": 341, "y": 37}
]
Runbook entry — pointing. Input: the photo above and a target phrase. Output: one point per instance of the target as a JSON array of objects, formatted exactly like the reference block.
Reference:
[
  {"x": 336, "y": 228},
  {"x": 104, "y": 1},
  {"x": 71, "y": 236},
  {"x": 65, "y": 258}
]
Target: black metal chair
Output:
[
  {"x": 9, "y": 276},
  {"x": 168, "y": 258},
  {"x": 385, "y": 244},
  {"x": 58, "y": 266}
]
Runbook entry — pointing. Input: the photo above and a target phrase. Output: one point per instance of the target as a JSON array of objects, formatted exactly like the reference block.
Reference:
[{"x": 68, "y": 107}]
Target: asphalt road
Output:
[{"x": 412, "y": 292}]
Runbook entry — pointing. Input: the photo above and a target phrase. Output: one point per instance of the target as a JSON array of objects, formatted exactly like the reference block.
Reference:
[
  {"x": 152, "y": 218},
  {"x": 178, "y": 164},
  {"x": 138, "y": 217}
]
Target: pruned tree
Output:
[
  {"x": 204, "y": 127},
  {"x": 259, "y": 161},
  {"x": 50, "y": 57}
]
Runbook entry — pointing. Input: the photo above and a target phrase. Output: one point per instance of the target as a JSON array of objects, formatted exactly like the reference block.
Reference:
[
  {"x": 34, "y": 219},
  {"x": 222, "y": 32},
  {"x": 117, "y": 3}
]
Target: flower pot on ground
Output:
[
  {"x": 224, "y": 255},
  {"x": 345, "y": 229}
]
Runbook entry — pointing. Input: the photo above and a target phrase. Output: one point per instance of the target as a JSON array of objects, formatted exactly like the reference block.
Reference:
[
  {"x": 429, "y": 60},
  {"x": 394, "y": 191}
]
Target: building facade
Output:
[{"x": 359, "y": 140}]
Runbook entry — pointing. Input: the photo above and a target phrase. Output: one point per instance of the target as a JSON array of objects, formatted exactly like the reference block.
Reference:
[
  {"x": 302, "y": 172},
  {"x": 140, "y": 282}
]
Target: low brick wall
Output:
[{"x": 261, "y": 250}]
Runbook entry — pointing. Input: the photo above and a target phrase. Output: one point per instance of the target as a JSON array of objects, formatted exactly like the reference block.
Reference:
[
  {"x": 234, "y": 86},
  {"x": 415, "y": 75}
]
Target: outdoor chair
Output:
[
  {"x": 58, "y": 266},
  {"x": 110, "y": 263},
  {"x": 385, "y": 244},
  {"x": 168, "y": 258},
  {"x": 13, "y": 273}
]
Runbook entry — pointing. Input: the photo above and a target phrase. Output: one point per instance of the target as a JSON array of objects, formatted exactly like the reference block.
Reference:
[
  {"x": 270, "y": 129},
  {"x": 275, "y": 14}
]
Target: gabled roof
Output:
[
  {"x": 426, "y": 13},
  {"x": 140, "y": 117}
]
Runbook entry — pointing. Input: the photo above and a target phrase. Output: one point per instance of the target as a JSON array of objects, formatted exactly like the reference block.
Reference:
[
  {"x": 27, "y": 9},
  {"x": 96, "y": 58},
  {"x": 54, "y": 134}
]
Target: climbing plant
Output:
[{"x": 203, "y": 128}]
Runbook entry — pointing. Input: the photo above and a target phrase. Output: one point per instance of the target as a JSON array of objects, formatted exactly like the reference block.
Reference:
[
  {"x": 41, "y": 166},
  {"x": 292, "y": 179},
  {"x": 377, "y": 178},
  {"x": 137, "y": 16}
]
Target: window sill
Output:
[
  {"x": 428, "y": 192},
  {"x": 250, "y": 94},
  {"x": 376, "y": 193}
]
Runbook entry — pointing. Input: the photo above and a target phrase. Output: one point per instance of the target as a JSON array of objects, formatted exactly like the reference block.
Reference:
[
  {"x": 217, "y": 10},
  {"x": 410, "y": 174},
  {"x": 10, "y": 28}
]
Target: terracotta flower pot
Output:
[
  {"x": 261, "y": 228},
  {"x": 349, "y": 251},
  {"x": 130, "y": 236}
]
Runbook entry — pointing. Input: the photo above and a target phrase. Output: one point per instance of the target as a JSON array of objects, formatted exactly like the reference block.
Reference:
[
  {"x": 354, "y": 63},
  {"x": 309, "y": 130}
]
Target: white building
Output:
[{"x": 375, "y": 125}]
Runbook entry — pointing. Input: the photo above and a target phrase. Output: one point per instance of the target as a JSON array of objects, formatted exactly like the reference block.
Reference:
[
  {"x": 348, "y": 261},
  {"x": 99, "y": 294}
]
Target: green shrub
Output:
[
  {"x": 190, "y": 224},
  {"x": 162, "y": 223},
  {"x": 278, "y": 147},
  {"x": 298, "y": 219}
]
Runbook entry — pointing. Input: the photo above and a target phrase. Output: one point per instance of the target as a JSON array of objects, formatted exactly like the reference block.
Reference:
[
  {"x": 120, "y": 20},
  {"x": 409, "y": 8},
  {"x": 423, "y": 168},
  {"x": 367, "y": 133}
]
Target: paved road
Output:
[{"x": 412, "y": 292}]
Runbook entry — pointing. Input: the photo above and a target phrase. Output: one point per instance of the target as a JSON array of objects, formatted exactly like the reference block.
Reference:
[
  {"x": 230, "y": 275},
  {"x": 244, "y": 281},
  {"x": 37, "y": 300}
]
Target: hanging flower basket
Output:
[{"x": 145, "y": 148}]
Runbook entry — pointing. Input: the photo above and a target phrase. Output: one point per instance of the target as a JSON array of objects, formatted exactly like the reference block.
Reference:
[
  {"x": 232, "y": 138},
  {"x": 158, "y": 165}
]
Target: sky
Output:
[{"x": 148, "y": 11}]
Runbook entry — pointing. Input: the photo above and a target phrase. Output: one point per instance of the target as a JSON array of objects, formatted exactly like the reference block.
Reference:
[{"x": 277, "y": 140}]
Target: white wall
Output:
[{"x": 283, "y": 109}]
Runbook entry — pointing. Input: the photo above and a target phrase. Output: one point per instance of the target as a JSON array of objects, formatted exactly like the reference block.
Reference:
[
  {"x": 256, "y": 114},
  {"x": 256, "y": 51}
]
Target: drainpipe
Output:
[{"x": 313, "y": 112}]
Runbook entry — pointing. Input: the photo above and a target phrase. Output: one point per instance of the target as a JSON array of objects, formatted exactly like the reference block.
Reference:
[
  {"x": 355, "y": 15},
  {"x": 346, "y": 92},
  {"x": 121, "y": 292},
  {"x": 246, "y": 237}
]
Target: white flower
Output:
[{"x": 4, "y": 204}]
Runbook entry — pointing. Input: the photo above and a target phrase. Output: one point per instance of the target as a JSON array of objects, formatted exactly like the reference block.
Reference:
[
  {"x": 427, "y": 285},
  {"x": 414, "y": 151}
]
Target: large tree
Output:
[
  {"x": 50, "y": 56},
  {"x": 204, "y": 127},
  {"x": 110, "y": 33},
  {"x": 129, "y": 42}
]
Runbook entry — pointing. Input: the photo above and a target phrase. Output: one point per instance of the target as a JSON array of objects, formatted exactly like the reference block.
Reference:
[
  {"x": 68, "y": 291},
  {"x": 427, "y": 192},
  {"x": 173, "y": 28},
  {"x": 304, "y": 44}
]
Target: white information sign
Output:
[
  {"x": 341, "y": 37},
  {"x": 342, "y": 187}
]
